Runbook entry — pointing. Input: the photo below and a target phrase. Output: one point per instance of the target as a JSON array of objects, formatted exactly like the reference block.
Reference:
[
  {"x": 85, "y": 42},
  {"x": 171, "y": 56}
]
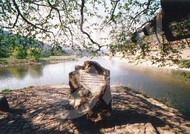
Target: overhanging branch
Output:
[
  {"x": 27, "y": 21},
  {"x": 81, "y": 26},
  {"x": 113, "y": 11},
  {"x": 14, "y": 24},
  {"x": 143, "y": 11}
]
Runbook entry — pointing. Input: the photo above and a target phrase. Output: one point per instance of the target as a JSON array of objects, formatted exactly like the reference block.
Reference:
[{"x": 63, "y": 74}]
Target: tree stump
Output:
[
  {"x": 4, "y": 106},
  {"x": 90, "y": 90}
]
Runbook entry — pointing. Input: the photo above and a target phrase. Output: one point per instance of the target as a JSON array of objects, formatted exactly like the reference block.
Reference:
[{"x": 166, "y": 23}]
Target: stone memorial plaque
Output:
[
  {"x": 93, "y": 82},
  {"x": 90, "y": 90}
]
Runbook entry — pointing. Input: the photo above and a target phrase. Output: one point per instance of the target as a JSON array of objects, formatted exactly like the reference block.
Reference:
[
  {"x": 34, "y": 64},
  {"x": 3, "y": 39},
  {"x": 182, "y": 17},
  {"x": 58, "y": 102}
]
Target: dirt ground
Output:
[{"x": 43, "y": 110}]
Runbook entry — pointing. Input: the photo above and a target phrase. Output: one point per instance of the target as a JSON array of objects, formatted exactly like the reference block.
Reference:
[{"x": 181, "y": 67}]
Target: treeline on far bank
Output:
[{"x": 16, "y": 46}]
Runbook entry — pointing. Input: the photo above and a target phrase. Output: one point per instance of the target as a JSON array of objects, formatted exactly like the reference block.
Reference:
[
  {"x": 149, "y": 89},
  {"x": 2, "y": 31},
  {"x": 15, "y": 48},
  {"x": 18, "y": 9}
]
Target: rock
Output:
[
  {"x": 90, "y": 90},
  {"x": 4, "y": 106}
]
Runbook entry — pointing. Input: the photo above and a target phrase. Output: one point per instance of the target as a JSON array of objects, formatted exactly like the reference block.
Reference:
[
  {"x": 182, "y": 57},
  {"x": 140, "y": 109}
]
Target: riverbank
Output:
[
  {"x": 148, "y": 63},
  {"x": 11, "y": 62},
  {"x": 43, "y": 109}
]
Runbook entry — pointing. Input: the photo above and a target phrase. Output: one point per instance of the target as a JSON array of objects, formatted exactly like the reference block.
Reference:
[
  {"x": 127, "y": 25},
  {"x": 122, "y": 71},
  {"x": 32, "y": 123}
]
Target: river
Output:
[{"x": 170, "y": 86}]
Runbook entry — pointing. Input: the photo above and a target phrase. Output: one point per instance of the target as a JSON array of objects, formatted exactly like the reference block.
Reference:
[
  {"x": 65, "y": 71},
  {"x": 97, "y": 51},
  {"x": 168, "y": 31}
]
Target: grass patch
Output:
[{"x": 6, "y": 90}]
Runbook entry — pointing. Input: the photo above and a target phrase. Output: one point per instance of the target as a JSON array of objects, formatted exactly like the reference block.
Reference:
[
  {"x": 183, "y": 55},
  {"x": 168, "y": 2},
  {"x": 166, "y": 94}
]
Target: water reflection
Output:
[
  {"x": 18, "y": 72},
  {"x": 35, "y": 71},
  {"x": 4, "y": 73}
]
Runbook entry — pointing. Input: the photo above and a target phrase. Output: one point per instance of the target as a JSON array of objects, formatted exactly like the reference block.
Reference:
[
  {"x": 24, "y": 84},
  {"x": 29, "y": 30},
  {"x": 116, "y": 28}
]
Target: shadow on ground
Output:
[{"x": 43, "y": 111}]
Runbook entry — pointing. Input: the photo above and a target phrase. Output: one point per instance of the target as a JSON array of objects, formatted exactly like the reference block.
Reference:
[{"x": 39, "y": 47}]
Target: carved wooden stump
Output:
[
  {"x": 90, "y": 90},
  {"x": 4, "y": 106}
]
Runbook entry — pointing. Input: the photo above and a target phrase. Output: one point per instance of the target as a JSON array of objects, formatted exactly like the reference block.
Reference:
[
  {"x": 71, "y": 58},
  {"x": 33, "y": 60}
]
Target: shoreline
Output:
[
  {"x": 42, "y": 109},
  {"x": 146, "y": 63},
  {"x": 48, "y": 60}
]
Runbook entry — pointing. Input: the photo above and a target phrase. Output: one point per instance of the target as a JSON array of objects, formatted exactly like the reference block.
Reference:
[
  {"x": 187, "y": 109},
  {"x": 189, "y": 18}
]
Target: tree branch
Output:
[
  {"x": 113, "y": 11},
  {"x": 27, "y": 21},
  {"x": 53, "y": 7},
  {"x": 14, "y": 24},
  {"x": 143, "y": 11},
  {"x": 81, "y": 26},
  {"x": 58, "y": 12}
]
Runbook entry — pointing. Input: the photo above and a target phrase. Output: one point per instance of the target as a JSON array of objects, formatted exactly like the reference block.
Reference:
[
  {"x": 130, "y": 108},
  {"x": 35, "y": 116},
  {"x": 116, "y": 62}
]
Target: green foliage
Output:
[
  {"x": 6, "y": 90},
  {"x": 3, "y": 60},
  {"x": 46, "y": 53},
  {"x": 121, "y": 18},
  {"x": 4, "y": 49},
  {"x": 19, "y": 47},
  {"x": 57, "y": 51},
  {"x": 69, "y": 20},
  {"x": 4, "y": 52},
  {"x": 182, "y": 63},
  {"x": 128, "y": 48},
  {"x": 19, "y": 52},
  {"x": 34, "y": 53}
]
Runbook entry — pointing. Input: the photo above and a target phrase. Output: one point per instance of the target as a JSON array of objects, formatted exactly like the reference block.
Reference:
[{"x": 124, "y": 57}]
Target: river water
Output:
[{"x": 173, "y": 87}]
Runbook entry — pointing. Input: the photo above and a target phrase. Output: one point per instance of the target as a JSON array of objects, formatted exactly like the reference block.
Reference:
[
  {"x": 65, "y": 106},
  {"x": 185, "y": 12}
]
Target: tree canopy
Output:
[
  {"x": 90, "y": 25},
  {"x": 76, "y": 23}
]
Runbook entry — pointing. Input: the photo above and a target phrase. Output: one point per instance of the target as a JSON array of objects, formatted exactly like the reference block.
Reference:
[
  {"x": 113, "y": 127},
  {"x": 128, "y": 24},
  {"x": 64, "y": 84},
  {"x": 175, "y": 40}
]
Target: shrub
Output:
[
  {"x": 19, "y": 52},
  {"x": 57, "y": 51},
  {"x": 46, "y": 53},
  {"x": 34, "y": 53},
  {"x": 4, "y": 52},
  {"x": 3, "y": 60}
]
